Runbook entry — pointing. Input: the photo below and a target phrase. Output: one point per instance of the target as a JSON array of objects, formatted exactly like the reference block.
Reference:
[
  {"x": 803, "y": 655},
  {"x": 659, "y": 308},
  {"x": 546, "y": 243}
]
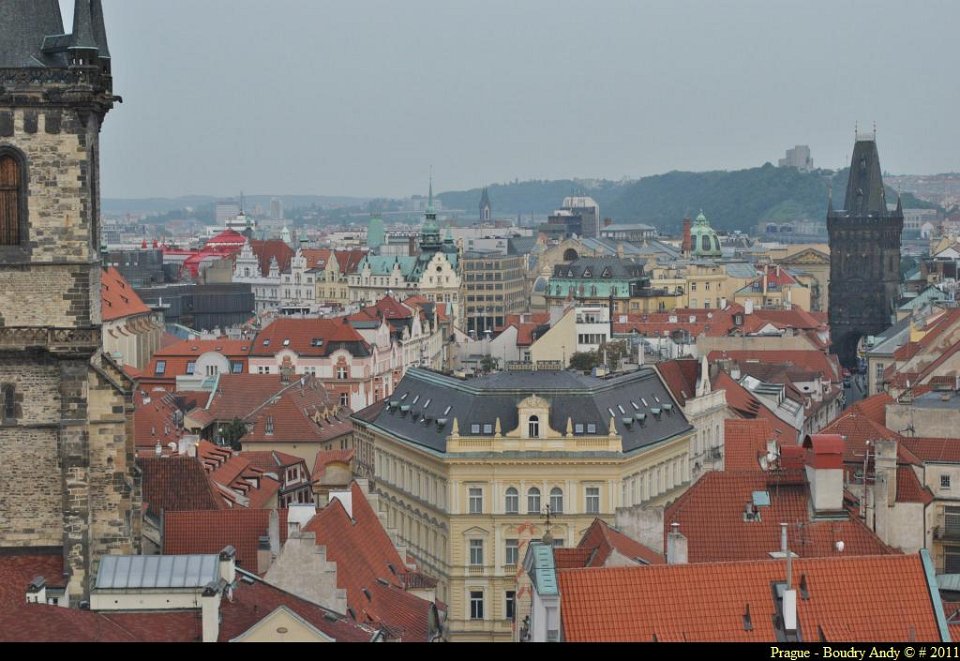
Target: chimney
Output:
[
  {"x": 676, "y": 546},
  {"x": 273, "y": 532},
  {"x": 789, "y": 605},
  {"x": 824, "y": 469},
  {"x": 264, "y": 557},
  {"x": 210, "y": 612},
  {"x": 687, "y": 245},
  {"x": 748, "y": 306},
  {"x": 885, "y": 462},
  {"x": 228, "y": 564}
]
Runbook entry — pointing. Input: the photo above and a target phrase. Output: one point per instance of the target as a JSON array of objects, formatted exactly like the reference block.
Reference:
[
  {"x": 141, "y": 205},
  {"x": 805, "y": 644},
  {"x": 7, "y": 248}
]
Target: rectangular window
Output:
[
  {"x": 944, "y": 482},
  {"x": 476, "y": 552},
  {"x": 268, "y": 426},
  {"x": 161, "y": 367},
  {"x": 344, "y": 399},
  {"x": 593, "y": 500},
  {"x": 236, "y": 367},
  {"x": 591, "y": 428},
  {"x": 10, "y": 199},
  {"x": 474, "y": 429},
  {"x": 191, "y": 367},
  {"x": 487, "y": 428},
  {"x": 512, "y": 555},
  {"x": 476, "y": 500},
  {"x": 9, "y": 402},
  {"x": 212, "y": 370},
  {"x": 511, "y": 601},
  {"x": 476, "y": 605}
]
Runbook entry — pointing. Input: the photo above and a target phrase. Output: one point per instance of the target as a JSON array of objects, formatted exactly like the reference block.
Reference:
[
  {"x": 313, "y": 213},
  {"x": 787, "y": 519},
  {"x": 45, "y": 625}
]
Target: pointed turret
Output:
[
  {"x": 26, "y": 23},
  {"x": 899, "y": 211},
  {"x": 99, "y": 29},
  {"x": 83, "y": 47},
  {"x": 865, "y": 194},
  {"x": 829, "y": 200}
]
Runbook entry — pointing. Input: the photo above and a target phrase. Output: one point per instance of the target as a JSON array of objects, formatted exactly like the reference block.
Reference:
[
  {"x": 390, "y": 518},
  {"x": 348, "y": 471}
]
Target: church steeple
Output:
[
  {"x": 83, "y": 49},
  {"x": 430, "y": 232}
]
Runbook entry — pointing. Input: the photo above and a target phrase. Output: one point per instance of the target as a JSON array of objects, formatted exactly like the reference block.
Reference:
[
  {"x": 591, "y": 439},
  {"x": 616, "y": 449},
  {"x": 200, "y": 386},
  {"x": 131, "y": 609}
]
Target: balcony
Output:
[{"x": 947, "y": 533}]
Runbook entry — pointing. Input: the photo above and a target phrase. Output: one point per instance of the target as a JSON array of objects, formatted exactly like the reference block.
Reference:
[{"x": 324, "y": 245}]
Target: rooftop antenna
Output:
[
  {"x": 874, "y": 130},
  {"x": 241, "y": 202}
]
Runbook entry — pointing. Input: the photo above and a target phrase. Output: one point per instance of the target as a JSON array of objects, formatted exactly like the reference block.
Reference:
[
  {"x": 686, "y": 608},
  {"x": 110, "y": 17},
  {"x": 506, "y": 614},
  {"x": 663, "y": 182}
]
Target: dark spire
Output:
[
  {"x": 25, "y": 23},
  {"x": 484, "y": 198},
  {"x": 899, "y": 205},
  {"x": 99, "y": 29},
  {"x": 82, "y": 27},
  {"x": 829, "y": 198},
  {"x": 865, "y": 194}
]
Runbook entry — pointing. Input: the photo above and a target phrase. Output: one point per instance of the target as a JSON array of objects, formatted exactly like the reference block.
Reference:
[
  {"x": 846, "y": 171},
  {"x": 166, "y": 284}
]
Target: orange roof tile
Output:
[
  {"x": 934, "y": 450},
  {"x": 744, "y": 404},
  {"x": 681, "y": 377},
  {"x": 189, "y": 532},
  {"x": 909, "y": 488},
  {"x": 327, "y": 457},
  {"x": 811, "y": 360},
  {"x": 711, "y": 516},
  {"x": 744, "y": 442},
  {"x": 708, "y": 602},
  {"x": 272, "y": 249},
  {"x": 603, "y": 540},
  {"x": 117, "y": 297},
  {"x": 176, "y": 483},
  {"x": 309, "y": 337},
  {"x": 364, "y": 555},
  {"x": 874, "y": 407}
]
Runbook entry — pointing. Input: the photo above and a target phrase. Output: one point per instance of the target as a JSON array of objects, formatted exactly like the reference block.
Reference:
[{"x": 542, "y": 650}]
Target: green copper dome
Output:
[{"x": 703, "y": 239}]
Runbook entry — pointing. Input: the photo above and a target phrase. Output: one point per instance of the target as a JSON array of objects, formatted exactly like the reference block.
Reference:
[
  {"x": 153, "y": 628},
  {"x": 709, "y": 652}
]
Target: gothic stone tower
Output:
[
  {"x": 65, "y": 435},
  {"x": 864, "y": 255}
]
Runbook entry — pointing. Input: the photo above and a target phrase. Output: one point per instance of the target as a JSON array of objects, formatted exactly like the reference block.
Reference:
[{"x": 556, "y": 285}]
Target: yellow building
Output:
[
  {"x": 704, "y": 285},
  {"x": 774, "y": 289},
  {"x": 470, "y": 471}
]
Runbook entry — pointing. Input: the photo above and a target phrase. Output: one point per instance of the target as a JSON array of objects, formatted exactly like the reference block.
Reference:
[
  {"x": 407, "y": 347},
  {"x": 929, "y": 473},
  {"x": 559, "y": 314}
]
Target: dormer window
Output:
[
  {"x": 533, "y": 427},
  {"x": 268, "y": 426}
]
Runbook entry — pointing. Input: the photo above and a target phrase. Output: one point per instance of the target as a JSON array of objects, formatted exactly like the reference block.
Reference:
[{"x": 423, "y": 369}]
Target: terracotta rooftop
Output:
[
  {"x": 745, "y": 442},
  {"x": 327, "y": 457},
  {"x": 309, "y": 337},
  {"x": 681, "y": 377},
  {"x": 934, "y": 450},
  {"x": 155, "y": 420},
  {"x": 709, "y": 602},
  {"x": 744, "y": 404},
  {"x": 208, "y": 531},
  {"x": 874, "y": 407},
  {"x": 370, "y": 569},
  {"x": 810, "y": 360},
  {"x": 272, "y": 249},
  {"x": 348, "y": 260},
  {"x": 176, "y": 483},
  {"x": 117, "y": 297},
  {"x": 909, "y": 488},
  {"x": 601, "y": 541},
  {"x": 711, "y": 516}
]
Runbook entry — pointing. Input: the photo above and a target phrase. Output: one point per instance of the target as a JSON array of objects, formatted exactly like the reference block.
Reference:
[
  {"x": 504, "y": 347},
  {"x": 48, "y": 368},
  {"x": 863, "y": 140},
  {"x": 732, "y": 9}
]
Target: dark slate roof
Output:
[
  {"x": 521, "y": 245},
  {"x": 583, "y": 399},
  {"x": 25, "y": 24},
  {"x": 596, "y": 268},
  {"x": 865, "y": 193}
]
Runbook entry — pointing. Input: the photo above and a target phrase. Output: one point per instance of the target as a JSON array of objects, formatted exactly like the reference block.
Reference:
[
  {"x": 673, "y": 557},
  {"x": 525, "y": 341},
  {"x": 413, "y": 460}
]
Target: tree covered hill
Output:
[{"x": 732, "y": 200}]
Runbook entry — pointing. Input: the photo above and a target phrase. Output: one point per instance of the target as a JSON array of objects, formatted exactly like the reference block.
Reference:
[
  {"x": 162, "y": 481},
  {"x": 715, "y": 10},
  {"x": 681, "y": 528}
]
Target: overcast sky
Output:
[{"x": 361, "y": 97}]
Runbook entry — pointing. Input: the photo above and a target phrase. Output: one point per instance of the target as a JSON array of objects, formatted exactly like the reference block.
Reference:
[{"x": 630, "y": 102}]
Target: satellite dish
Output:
[{"x": 840, "y": 546}]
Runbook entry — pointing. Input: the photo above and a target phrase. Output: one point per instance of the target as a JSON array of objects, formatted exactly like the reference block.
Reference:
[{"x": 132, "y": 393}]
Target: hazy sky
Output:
[{"x": 361, "y": 97}]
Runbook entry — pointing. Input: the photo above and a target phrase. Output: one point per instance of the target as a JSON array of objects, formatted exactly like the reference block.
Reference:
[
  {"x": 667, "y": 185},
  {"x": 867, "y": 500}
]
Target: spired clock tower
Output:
[{"x": 66, "y": 445}]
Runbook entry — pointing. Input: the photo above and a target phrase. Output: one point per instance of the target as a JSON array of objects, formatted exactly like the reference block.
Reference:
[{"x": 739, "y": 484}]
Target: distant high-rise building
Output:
[
  {"x": 864, "y": 255},
  {"x": 485, "y": 209},
  {"x": 276, "y": 209},
  {"x": 226, "y": 210},
  {"x": 589, "y": 212},
  {"x": 798, "y": 157}
]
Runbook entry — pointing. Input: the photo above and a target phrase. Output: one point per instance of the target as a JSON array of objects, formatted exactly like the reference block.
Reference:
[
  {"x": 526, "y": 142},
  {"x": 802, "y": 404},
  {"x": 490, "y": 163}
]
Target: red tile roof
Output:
[
  {"x": 271, "y": 460},
  {"x": 603, "y": 540},
  {"x": 658, "y": 324},
  {"x": 934, "y": 450},
  {"x": 298, "y": 413},
  {"x": 155, "y": 420},
  {"x": 327, "y": 457},
  {"x": 19, "y": 568},
  {"x": 824, "y": 450},
  {"x": 348, "y": 260},
  {"x": 711, "y": 516},
  {"x": 909, "y": 488},
  {"x": 793, "y": 318},
  {"x": 874, "y": 407},
  {"x": 811, "y": 360},
  {"x": 364, "y": 555},
  {"x": 316, "y": 257},
  {"x": 208, "y": 531},
  {"x": 175, "y": 484},
  {"x": 856, "y": 430},
  {"x": 572, "y": 558},
  {"x": 681, "y": 377},
  {"x": 309, "y": 337},
  {"x": 117, "y": 297},
  {"x": 252, "y": 603},
  {"x": 745, "y": 442},
  {"x": 744, "y": 404},
  {"x": 708, "y": 602},
  {"x": 179, "y": 355},
  {"x": 269, "y": 249}
]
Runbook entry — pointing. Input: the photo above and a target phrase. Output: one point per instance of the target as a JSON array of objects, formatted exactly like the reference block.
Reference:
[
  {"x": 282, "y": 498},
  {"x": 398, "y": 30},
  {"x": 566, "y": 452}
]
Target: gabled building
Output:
[
  {"x": 194, "y": 364},
  {"x": 131, "y": 330}
]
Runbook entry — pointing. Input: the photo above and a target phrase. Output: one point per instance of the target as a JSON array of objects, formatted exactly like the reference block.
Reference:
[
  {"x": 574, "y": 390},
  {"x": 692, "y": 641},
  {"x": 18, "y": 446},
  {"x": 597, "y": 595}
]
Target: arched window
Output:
[
  {"x": 533, "y": 500},
  {"x": 512, "y": 504},
  {"x": 556, "y": 500},
  {"x": 12, "y": 199},
  {"x": 533, "y": 427}
]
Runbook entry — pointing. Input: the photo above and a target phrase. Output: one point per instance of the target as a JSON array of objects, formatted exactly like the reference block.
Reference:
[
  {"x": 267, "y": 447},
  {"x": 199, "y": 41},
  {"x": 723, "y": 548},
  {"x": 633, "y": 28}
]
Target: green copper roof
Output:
[{"x": 704, "y": 241}]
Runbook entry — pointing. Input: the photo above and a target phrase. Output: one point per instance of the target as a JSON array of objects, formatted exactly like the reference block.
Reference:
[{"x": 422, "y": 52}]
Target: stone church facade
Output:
[{"x": 66, "y": 431}]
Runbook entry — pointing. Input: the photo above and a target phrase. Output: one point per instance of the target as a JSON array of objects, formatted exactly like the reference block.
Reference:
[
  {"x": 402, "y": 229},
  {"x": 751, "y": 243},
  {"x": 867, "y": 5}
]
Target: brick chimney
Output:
[
  {"x": 824, "y": 468},
  {"x": 687, "y": 246}
]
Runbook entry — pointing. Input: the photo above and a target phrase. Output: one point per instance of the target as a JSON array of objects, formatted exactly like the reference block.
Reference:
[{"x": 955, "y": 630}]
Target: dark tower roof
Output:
[
  {"x": 484, "y": 199},
  {"x": 25, "y": 24},
  {"x": 865, "y": 194},
  {"x": 83, "y": 27},
  {"x": 99, "y": 29}
]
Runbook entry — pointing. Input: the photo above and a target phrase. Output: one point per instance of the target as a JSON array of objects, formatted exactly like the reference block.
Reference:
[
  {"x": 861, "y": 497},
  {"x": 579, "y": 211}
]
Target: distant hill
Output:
[
  {"x": 160, "y": 205},
  {"x": 734, "y": 200}
]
